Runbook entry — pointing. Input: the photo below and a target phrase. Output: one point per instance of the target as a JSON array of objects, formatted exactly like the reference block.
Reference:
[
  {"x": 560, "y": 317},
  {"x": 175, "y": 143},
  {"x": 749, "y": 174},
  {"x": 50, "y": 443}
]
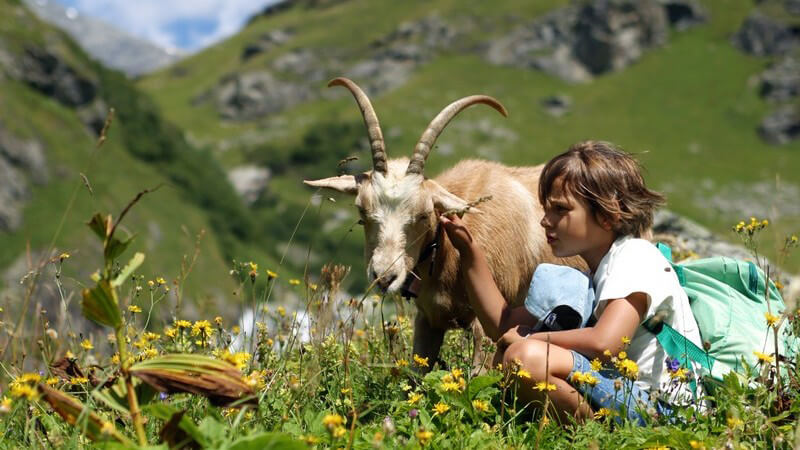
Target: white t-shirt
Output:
[{"x": 635, "y": 265}]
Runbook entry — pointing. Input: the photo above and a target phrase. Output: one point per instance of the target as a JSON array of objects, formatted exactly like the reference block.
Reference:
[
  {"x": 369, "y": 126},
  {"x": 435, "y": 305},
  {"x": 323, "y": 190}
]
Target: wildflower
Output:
[
  {"x": 78, "y": 380},
  {"x": 480, "y": 405},
  {"x": 294, "y": 281},
  {"x": 388, "y": 425},
  {"x": 451, "y": 386},
  {"x": 414, "y": 397},
  {"x": 281, "y": 311},
  {"x": 405, "y": 387},
  {"x": 331, "y": 421},
  {"x": 607, "y": 353},
  {"x": 622, "y": 355},
  {"x": 603, "y": 412},
  {"x": 149, "y": 353},
  {"x": 23, "y": 390},
  {"x": 271, "y": 275},
  {"x": 734, "y": 422},
  {"x": 764, "y": 357},
  {"x": 522, "y": 373},
  {"x": 52, "y": 381},
  {"x": 338, "y": 432},
  {"x": 402, "y": 363},
  {"x": 309, "y": 439},
  {"x": 345, "y": 390},
  {"x": 424, "y": 436},
  {"x": 87, "y": 344},
  {"x": 440, "y": 408},
  {"x": 457, "y": 372},
  {"x": 413, "y": 413},
  {"x": 597, "y": 365},
  {"x": 63, "y": 256},
  {"x": 771, "y": 319},
  {"x": 359, "y": 333},
  {"x": 545, "y": 386},
  {"x": 183, "y": 324},
  {"x": 253, "y": 266},
  {"x": 628, "y": 368},
  {"x": 420, "y": 361},
  {"x": 577, "y": 377},
  {"x": 151, "y": 283},
  {"x": 672, "y": 364},
  {"x": 202, "y": 326},
  {"x": 115, "y": 358},
  {"x": 161, "y": 281},
  {"x": 235, "y": 330},
  {"x": 680, "y": 374},
  {"x": 590, "y": 379},
  {"x": 107, "y": 428},
  {"x": 696, "y": 444},
  {"x": 134, "y": 309},
  {"x": 170, "y": 332},
  {"x": 626, "y": 340},
  {"x": 69, "y": 355},
  {"x": 218, "y": 320},
  {"x": 5, "y": 405},
  {"x": 312, "y": 286}
]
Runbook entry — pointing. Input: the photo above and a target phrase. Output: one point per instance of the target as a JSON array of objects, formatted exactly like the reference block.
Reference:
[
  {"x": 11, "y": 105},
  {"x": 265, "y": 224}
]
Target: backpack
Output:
[{"x": 729, "y": 302}]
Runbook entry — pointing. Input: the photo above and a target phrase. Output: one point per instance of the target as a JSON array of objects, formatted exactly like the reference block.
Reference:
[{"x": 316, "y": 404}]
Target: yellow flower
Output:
[
  {"x": 480, "y": 405},
  {"x": 151, "y": 283},
  {"x": 253, "y": 266},
  {"x": 309, "y": 439},
  {"x": 183, "y": 324},
  {"x": 622, "y": 355},
  {"x": 78, "y": 380},
  {"x": 545, "y": 386},
  {"x": 696, "y": 444},
  {"x": 338, "y": 432},
  {"x": 87, "y": 344},
  {"x": 603, "y": 412},
  {"x": 171, "y": 332},
  {"x": 161, "y": 281},
  {"x": 312, "y": 286},
  {"x": 134, "y": 309},
  {"x": 5, "y": 405},
  {"x": 23, "y": 390},
  {"x": 414, "y": 397},
  {"x": 202, "y": 326},
  {"x": 440, "y": 408},
  {"x": 734, "y": 422},
  {"x": 522, "y": 373},
  {"x": 424, "y": 436},
  {"x": 218, "y": 320},
  {"x": 235, "y": 329},
  {"x": 420, "y": 361},
  {"x": 115, "y": 358},
  {"x": 451, "y": 386},
  {"x": 771, "y": 319},
  {"x": 680, "y": 374},
  {"x": 271, "y": 274},
  {"x": 626, "y": 340},
  {"x": 597, "y": 365},
  {"x": 457, "y": 372},
  {"x": 52, "y": 381},
  {"x": 107, "y": 428},
  {"x": 607, "y": 353},
  {"x": 764, "y": 358},
  {"x": 281, "y": 311},
  {"x": 331, "y": 421},
  {"x": 294, "y": 281},
  {"x": 628, "y": 368}
]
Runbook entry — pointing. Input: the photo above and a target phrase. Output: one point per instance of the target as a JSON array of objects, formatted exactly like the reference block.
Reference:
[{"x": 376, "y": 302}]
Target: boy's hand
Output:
[
  {"x": 457, "y": 232},
  {"x": 518, "y": 333}
]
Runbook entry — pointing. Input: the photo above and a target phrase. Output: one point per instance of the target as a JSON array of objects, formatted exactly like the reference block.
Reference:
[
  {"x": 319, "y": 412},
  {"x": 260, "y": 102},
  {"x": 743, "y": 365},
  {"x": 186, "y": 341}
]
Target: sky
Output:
[{"x": 187, "y": 25}]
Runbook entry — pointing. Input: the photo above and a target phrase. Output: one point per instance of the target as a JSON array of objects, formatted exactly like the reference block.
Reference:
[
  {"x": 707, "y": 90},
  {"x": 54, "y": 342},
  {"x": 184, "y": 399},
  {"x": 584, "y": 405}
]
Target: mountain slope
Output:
[{"x": 688, "y": 106}]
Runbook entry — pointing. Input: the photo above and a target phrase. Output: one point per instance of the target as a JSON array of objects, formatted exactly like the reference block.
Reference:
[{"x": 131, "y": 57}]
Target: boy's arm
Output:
[{"x": 486, "y": 300}]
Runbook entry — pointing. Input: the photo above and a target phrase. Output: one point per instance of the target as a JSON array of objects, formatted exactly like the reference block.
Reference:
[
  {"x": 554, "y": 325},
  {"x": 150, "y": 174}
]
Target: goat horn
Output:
[
  {"x": 370, "y": 120},
  {"x": 428, "y": 138}
]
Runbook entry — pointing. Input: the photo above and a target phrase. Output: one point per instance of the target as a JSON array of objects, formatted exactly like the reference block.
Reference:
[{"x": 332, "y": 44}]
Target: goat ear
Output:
[
  {"x": 347, "y": 184},
  {"x": 444, "y": 200}
]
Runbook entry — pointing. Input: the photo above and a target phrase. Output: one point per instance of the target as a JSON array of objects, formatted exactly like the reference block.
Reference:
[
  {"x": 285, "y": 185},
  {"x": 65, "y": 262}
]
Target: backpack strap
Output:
[{"x": 667, "y": 252}]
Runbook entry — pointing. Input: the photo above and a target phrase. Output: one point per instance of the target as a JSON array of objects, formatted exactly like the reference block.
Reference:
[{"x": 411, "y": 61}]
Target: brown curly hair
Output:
[{"x": 610, "y": 181}]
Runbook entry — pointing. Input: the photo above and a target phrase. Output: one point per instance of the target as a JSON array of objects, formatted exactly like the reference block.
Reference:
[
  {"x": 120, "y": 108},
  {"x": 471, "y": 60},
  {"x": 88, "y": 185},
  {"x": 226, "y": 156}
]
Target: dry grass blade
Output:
[
  {"x": 469, "y": 208},
  {"x": 71, "y": 410},
  {"x": 218, "y": 380}
]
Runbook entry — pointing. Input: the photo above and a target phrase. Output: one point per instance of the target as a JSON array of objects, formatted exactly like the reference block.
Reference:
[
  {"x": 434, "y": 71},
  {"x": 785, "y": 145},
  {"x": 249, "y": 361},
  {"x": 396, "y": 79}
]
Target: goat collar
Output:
[{"x": 430, "y": 250}]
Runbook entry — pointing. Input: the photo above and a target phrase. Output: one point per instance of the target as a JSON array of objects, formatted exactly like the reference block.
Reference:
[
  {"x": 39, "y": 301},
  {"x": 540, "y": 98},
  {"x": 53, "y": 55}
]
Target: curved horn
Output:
[
  {"x": 428, "y": 138},
  {"x": 370, "y": 120}
]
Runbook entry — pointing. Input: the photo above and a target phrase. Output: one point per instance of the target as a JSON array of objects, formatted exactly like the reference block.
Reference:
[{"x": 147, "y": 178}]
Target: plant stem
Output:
[{"x": 133, "y": 403}]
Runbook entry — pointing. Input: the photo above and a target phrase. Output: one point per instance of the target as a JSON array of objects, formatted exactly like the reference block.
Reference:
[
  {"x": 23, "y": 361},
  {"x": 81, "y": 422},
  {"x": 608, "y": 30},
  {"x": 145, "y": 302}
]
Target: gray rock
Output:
[
  {"x": 94, "y": 115},
  {"x": 557, "y": 105},
  {"x": 249, "y": 181},
  {"x": 257, "y": 94},
  {"x": 781, "y": 81},
  {"x": 47, "y": 73},
  {"x": 792, "y": 6},
  {"x": 782, "y": 126},
  {"x": 761, "y": 35},
  {"x": 26, "y": 155},
  {"x": 265, "y": 43},
  {"x": 683, "y": 14},
  {"x": 14, "y": 193},
  {"x": 388, "y": 69},
  {"x": 302, "y": 63}
]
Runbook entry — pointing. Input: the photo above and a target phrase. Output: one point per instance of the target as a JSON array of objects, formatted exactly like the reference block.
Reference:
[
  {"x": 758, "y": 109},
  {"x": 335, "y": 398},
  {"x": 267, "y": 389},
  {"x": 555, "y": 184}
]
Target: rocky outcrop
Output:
[
  {"x": 47, "y": 73},
  {"x": 781, "y": 126},
  {"x": 249, "y": 182},
  {"x": 256, "y": 94},
  {"x": 576, "y": 42},
  {"x": 781, "y": 81},
  {"x": 556, "y": 105},
  {"x": 265, "y": 43},
  {"x": 762, "y": 35},
  {"x": 21, "y": 162}
]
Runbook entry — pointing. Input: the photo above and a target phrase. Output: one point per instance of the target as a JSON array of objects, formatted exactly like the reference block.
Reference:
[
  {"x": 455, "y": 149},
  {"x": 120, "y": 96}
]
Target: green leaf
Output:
[
  {"x": 116, "y": 247},
  {"x": 100, "y": 305},
  {"x": 166, "y": 412},
  {"x": 480, "y": 383},
  {"x": 213, "y": 430},
  {"x": 267, "y": 441},
  {"x": 126, "y": 272},
  {"x": 98, "y": 224}
]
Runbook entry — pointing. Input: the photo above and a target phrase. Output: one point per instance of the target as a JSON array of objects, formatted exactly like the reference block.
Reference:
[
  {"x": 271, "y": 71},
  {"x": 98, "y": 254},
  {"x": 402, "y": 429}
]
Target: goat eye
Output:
[{"x": 361, "y": 221}]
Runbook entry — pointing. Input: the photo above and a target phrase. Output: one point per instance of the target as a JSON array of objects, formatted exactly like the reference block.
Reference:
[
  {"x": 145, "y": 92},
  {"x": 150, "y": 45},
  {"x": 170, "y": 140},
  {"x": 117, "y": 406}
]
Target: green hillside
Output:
[
  {"x": 141, "y": 152},
  {"x": 689, "y": 108}
]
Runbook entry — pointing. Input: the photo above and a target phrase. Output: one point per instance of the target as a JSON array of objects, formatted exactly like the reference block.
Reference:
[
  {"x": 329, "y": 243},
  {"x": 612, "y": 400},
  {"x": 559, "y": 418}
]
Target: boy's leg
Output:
[{"x": 533, "y": 355}]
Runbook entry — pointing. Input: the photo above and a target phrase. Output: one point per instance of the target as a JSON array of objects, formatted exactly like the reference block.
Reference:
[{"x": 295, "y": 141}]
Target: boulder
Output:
[
  {"x": 249, "y": 182},
  {"x": 781, "y": 81},
  {"x": 47, "y": 73},
  {"x": 302, "y": 63},
  {"x": 26, "y": 155},
  {"x": 14, "y": 193},
  {"x": 250, "y": 95},
  {"x": 265, "y": 43},
  {"x": 782, "y": 126},
  {"x": 387, "y": 69},
  {"x": 683, "y": 14},
  {"x": 761, "y": 35}
]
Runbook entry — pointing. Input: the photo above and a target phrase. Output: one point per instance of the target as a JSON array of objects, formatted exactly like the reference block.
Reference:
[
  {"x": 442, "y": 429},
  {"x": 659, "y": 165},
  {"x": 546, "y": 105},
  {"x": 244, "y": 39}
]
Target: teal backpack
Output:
[{"x": 728, "y": 300}]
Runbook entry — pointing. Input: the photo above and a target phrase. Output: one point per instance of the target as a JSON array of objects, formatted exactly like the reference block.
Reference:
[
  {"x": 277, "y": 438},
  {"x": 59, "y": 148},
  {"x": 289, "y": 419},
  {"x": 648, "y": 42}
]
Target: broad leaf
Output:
[
  {"x": 115, "y": 247},
  {"x": 129, "y": 268},
  {"x": 100, "y": 305},
  {"x": 100, "y": 225},
  {"x": 480, "y": 383},
  {"x": 71, "y": 410},
  {"x": 167, "y": 413}
]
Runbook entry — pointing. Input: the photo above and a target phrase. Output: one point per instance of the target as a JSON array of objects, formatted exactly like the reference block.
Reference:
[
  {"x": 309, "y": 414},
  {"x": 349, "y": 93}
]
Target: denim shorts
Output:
[{"x": 626, "y": 395}]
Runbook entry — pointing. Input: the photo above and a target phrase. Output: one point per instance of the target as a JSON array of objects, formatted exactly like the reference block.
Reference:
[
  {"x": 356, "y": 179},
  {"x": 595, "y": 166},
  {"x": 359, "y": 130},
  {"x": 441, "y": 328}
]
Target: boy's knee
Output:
[{"x": 531, "y": 353}]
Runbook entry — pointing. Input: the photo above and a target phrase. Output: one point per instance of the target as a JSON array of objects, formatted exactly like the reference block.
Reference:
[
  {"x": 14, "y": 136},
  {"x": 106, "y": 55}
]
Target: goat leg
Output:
[{"x": 427, "y": 341}]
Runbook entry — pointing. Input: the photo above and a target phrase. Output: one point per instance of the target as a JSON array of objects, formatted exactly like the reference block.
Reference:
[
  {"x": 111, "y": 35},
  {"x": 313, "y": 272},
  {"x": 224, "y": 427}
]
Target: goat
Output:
[{"x": 399, "y": 209}]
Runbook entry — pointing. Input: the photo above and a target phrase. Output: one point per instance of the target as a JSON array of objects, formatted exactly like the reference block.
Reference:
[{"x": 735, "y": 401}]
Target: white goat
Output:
[{"x": 399, "y": 210}]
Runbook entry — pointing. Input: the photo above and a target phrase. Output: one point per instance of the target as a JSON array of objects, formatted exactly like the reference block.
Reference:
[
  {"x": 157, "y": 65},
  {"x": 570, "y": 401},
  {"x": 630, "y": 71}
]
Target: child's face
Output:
[{"x": 572, "y": 229}]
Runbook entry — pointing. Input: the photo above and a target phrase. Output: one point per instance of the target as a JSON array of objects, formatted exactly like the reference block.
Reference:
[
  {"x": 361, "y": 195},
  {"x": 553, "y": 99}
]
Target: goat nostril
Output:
[{"x": 374, "y": 275}]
